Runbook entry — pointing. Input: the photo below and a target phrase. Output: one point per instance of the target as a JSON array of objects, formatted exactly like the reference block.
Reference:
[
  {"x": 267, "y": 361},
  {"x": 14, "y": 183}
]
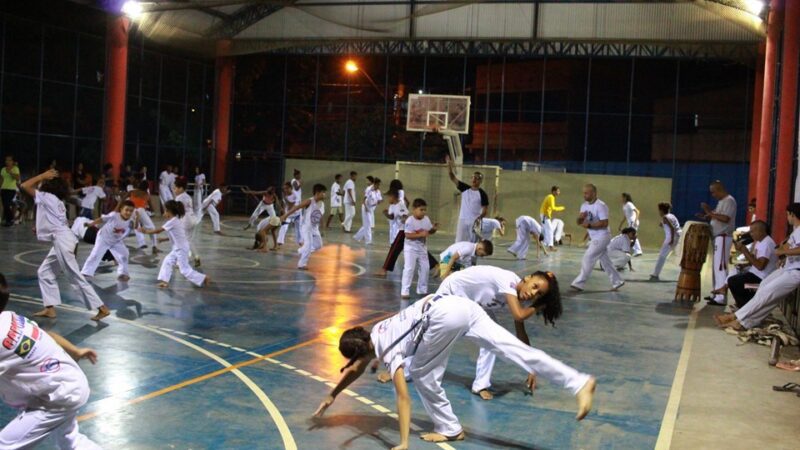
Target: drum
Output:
[{"x": 695, "y": 251}]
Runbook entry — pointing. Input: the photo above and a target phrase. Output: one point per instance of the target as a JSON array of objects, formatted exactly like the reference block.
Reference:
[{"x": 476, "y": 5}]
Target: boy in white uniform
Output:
[
  {"x": 621, "y": 247},
  {"x": 349, "y": 202},
  {"x": 199, "y": 188},
  {"x": 631, "y": 217},
  {"x": 723, "y": 223},
  {"x": 189, "y": 219},
  {"x": 527, "y": 226},
  {"x": 209, "y": 206},
  {"x": 51, "y": 226},
  {"x": 290, "y": 199},
  {"x": 313, "y": 209},
  {"x": 594, "y": 217},
  {"x": 672, "y": 234},
  {"x": 415, "y": 251},
  {"x": 371, "y": 199},
  {"x": 397, "y": 213},
  {"x": 111, "y": 238},
  {"x": 165, "y": 186},
  {"x": 451, "y": 259},
  {"x": 40, "y": 377},
  {"x": 489, "y": 225},
  {"x": 90, "y": 196},
  {"x": 337, "y": 195},
  {"x": 428, "y": 331}
]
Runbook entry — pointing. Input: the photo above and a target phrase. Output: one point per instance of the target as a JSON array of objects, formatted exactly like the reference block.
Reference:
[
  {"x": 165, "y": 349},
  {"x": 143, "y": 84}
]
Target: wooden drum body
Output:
[{"x": 695, "y": 251}]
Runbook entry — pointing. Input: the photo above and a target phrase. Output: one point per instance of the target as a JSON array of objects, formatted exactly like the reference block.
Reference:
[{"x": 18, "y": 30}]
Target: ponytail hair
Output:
[
  {"x": 354, "y": 344},
  {"x": 175, "y": 208},
  {"x": 549, "y": 305}
]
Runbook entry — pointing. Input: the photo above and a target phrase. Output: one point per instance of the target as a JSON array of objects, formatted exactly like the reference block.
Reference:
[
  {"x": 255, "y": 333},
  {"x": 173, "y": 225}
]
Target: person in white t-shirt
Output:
[
  {"x": 179, "y": 255},
  {"x": 90, "y": 196},
  {"x": 527, "y": 227},
  {"x": 428, "y": 330},
  {"x": 631, "y": 215},
  {"x": 111, "y": 237},
  {"x": 337, "y": 196},
  {"x": 165, "y": 181},
  {"x": 397, "y": 213},
  {"x": 594, "y": 217},
  {"x": 415, "y": 250},
  {"x": 189, "y": 219},
  {"x": 621, "y": 247},
  {"x": 723, "y": 222},
  {"x": 349, "y": 202},
  {"x": 474, "y": 204},
  {"x": 41, "y": 379},
  {"x": 313, "y": 210},
  {"x": 488, "y": 225},
  {"x": 51, "y": 226},
  {"x": 672, "y": 234},
  {"x": 269, "y": 225},
  {"x": 762, "y": 262},
  {"x": 772, "y": 290},
  {"x": 372, "y": 197},
  {"x": 199, "y": 189},
  {"x": 294, "y": 220},
  {"x": 297, "y": 184},
  {"x": 209, "y": 205},
  {"x": 452, "y": 258}
]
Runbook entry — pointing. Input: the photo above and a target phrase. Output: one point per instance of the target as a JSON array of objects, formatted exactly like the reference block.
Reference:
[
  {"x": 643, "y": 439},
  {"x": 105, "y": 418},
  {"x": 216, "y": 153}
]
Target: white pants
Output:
[
  {"x": 597, "y": 252},
  {"x": 211, "y": 209},
  {"x": 454, "y": 317},
  {"x": 394, "y": 228},
  {"x": 722, "y": 251},
  {"x": 190, "y": 226},
  {"x": 637, "y": 246},
  {"x": 771, "y": 291},
  {"x": 414, "y": 258},
  {"x": 558, "y": 229},
  {"x": 547, "y": 231},
  {"x": 147, "y": 223},
  {"x": 663, "y": 254},
  {"x": 523, "y": 242},
  {"x": 165, "y": 194},
  {"x": 349, "y": 213},
  {"x": 62, "y": 259},
  {"x": 484, "y": 365},
  {"x": 311, "y": 243},
  {"x": 367, "y": 222},
  {"x": 198, "y": 200},
  {"x": 31, "y": 427},
  {"x": 619, "y": 258},
  {"x": 180, "y": 257},
  {"x": 118, "y": 249},
  {"x": 260, "y": 208},
  {"x": 464, "y": 230},
  {"x": 291, "y": 222}
]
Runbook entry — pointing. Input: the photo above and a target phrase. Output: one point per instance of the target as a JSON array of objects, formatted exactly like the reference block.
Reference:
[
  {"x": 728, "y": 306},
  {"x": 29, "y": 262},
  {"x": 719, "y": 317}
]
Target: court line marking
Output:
[
  {"x": 275, "y": 414},
  {"x": 664, "y": 440}
]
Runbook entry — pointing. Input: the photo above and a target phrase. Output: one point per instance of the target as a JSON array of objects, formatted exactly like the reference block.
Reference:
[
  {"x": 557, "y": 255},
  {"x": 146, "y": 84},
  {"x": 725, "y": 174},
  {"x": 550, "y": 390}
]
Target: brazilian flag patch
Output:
[{"x": 25, "y": 346}]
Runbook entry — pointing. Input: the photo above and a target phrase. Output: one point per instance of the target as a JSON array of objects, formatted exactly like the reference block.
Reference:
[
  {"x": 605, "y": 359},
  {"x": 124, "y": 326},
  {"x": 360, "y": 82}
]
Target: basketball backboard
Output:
[{"x": 428, "y": 112}]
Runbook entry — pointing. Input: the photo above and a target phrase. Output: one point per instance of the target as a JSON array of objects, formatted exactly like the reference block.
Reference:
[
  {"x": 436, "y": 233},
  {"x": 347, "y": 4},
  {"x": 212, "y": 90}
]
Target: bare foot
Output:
[
  {"x": 384, "y": 377},
  {"x": 736, "y": 325},
  {"x": 484, "y": 394},
  {"x": 124, "y": 278},
  {"x": 48, "y": 312},
  {"x": 380, "y": 273},
  {"x": 207, "y": 281},
  {"x": 436, "y": 437},
  {"x": 163, "y": 284},
  {"x": 584, "y": 398},
  {"x": 102, "y": 312},
  {"x": 724, "y": 319}
]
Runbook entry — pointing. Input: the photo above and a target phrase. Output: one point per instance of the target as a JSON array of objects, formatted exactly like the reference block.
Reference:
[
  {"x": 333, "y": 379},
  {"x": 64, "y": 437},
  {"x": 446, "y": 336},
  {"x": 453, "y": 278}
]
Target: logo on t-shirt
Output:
[
  {"x": 17, "y": 340},
  {"x": 50, "y": 365}
]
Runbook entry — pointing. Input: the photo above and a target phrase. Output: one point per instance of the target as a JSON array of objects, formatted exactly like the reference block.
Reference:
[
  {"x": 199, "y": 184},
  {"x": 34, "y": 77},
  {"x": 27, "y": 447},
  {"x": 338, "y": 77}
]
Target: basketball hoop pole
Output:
[{"x": 454, "y": 147}]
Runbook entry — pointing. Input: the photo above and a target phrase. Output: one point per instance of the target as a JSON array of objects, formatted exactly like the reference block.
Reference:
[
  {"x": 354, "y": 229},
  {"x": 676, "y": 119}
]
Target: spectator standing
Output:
[{"x": 10, "y": 177}]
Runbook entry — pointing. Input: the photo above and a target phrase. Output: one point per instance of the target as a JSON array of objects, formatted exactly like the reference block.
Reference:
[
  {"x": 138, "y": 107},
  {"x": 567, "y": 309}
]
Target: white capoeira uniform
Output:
[
  {"x": 209, "y": 206},
  {"x": 465, "y": 251},
  {"x": 312, "y": 239},
  {"x": 399, "y": 211},
  {"x": 147, "y": 223},
  {"x": 773, "y": 289},
  {"x": 723, "y": 239},
  {"x": 165, "y": 181},
  {"x": 199, "y": 191},
  {"x": 111, "y": 237},
  {"x": 557, "y": 225},
  {"x": 190, "y": 222},
  {"x": 294, "y": 220},
  {"x": 349, "y": 205},
  {"x": 272, "y": 218},
  {"x": 415, "y": 256},
  {"x": 597, "y": 250},
  {"x": 666, "y": 247},
  {"x": 260, "y": 208},
  {"x": 51, "y": 226},
  {"x": 45, "y": 385},
  {"x": 472, "y": 203},
  {"x": 446, "y": 319},
  {"x": 619, "y": 251},
  {"x": 487, "y": 228},
  {"x": 176, "y": 230},
  {"x": 526, "y": 225},
  {"x": 371, "y": 199},
  {"x": 629, "y": 210}
]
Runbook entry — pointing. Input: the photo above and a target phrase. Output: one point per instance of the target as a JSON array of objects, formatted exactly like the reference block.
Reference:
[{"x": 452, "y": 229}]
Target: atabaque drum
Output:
[{"x": 695, "y": 251}]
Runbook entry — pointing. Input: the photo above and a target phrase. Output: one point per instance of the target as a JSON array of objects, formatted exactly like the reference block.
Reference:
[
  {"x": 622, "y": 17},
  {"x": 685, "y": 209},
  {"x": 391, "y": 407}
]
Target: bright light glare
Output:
[
  {"x": 351, "y": 66},
  {"x": 132, "y": 9},
  {"x": 754, "y": 6}
]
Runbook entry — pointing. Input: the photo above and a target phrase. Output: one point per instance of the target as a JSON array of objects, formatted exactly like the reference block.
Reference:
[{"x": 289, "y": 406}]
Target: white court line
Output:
[{"x": 673, "y": 404}]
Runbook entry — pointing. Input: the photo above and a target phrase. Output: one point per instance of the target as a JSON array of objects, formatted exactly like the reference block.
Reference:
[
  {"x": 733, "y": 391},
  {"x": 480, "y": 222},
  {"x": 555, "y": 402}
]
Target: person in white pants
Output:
[
  {"x": 209, "y": 206},
  {"x": 294, "y": 220},
  {"x": 51, "y": 226},
  {"x": 179, "y": 255},
  {"x": 41, "y": 379},
  {"x": 428, "y": 330},
  {"x": 397, "y": 213},
  {"x": 415, "y": 251},
  {"x": 546, "y": 211},
  {"x": 630, "y": 219},
  {"x": 267, "y": 199},
  {"x": 527, "y": 226},
  {"x": 313, "y": 209},
  {"x": 557, "y": 225},
  {"x": 189, "y": 219},
  {"x": 774, "y": 287},
  {"x": 199, "y": 189},
  {"x": 489, "y": 225},
  {"x": 620, "y": 248},
  {"x": 474, "y": 204},
  {"x": 141, "y": 198},
  {"x": 349, "y": 202},
  {"x": 165, "y": 181},
  {"x": 594, "y": 217},
  {"x": 672, "y": 234},
  {"x": 111, "y": 237},
  {"x": 372, "y": 198},
  {"x": 723, "y": 223},
  {"x": 494, "y": 289}
]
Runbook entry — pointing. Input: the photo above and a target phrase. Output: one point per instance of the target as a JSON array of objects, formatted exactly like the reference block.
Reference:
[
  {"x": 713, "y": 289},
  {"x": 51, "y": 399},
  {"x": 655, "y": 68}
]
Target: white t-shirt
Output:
[
  {"x": 291, "y": 200},
  {"x": 115, "y": 228},
  {"x": 765, "y": 248},
  {"x": 188, "y": 204},
  {"x": 620, "y": 242},
  {"x": 163, "y": 178},
  {"x": 488, "y": 226},
  {"x": 793, "y": 262},
  {"x": 401, "y": 195},
  {"x": 35, "y": 372},
  {"x": 629, "y": 209},
  {"x": 176, "y": 232},
  {"x": 414, "y": 225},
  {"x": 312, "y": 215},
  {"x": 336, "y": 199},
  {"x": 349, "y": 185},
  {"x": 727, "y": 207},
  {"x": 530, "y": 224},
  {"x": 594, "y": 212},
  {"x": 91, "y": 194},
  {"x": 398, "y": 210},
  {"x": 171, "y": 179},
  {"x": 51, "y": 216},
  {"x": 213, "y": 198},
  {"x": 199, "y": 182},
  {"x": 388, "y": 331},
  {"x": 464, "y": 250},
  {"x": 296, "y": 183},
  {"x": 472, "y": 202},
  {"x": 79, "y": 227},
  {"x": 675, "y": 224},
  {"x": 484, "y": 285}
]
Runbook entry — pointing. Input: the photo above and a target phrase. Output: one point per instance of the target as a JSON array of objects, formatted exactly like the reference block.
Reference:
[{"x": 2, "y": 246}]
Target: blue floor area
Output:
[{"x": 161, "y": 383}]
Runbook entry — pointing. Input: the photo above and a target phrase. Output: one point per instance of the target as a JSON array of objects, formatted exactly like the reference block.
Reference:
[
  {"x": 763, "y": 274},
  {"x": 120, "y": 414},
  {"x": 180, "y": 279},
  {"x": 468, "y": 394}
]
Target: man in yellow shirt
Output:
[
  {"x": 10, "y": 177},
  {"x": 546, "y": 214}
]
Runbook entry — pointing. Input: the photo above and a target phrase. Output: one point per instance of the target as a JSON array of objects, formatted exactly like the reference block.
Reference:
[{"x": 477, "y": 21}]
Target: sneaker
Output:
[
  {"x": 617, "y": 286},
  {"x": 654, "y": 278},
  {"x": 579, "y": 289}
]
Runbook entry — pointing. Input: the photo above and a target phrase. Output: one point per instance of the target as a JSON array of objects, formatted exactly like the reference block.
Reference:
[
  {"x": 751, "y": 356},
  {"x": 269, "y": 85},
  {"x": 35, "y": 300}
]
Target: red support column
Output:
[
  {"x": 774, "y": 24},
  {"x": 116, "y": 86},
  {"x": 755, "y": 134},
  {"x": 788, "y": 118},
  {"x": 222, "y": 109}
]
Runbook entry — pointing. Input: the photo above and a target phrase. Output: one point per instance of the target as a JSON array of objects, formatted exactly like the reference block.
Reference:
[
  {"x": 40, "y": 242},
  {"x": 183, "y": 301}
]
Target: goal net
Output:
[
  {"x": 537, "y": 167},
  {"x": 431, "y": 182}
]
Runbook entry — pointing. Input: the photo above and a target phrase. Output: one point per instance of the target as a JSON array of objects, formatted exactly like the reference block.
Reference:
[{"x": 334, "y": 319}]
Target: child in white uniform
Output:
[
  {"x": 594, "y": 217},
  {"x": 451, "y": 259},
  {"x": 631, "y": 216},
  {"x": 428, "y": 330},
  {"x": 290, "y": 199},
  {"x": 209, "y": 206},
  {"x": 199, "y": 189},
  {"x": 372, "y": 197},
  {"x": 40, "y": 377},
  {"x": 189, "y": 219},
  {"x": 397, "y": 213},
  {"x": 90, "y": 196},
  {"x": 141, "y": 199},
  {"x": 621, "y": 247},
  {"x": 111, "y": 238},
  {"x": 415, "y": 251},
  {"x": 165, "y": 181},
  {"x": 526, "y": 226},
  {"x": 313, "y": 209},
  {"x": 672, "y": 234},
  {"x": 51, "y": 226},
  {"x": 489, "y": 225},
  {"x": 179, "y": 255}
]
